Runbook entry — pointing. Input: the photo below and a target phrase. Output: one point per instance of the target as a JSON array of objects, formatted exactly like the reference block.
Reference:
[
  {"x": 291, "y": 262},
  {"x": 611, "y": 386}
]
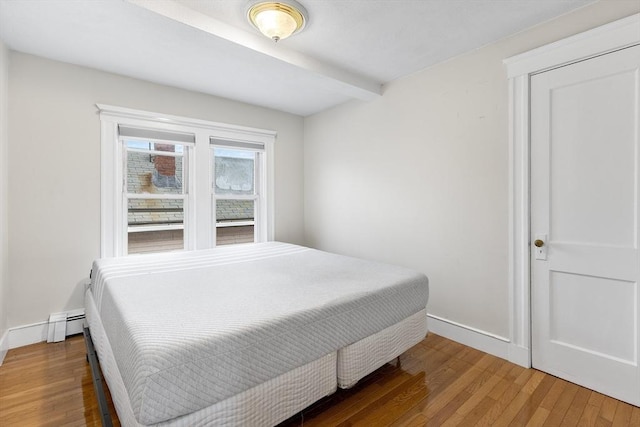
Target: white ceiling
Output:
[{"x": 348, "y": 49}]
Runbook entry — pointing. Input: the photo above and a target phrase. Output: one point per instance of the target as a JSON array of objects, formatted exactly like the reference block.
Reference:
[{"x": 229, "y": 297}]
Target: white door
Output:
[{"x": 585, "y": 121}]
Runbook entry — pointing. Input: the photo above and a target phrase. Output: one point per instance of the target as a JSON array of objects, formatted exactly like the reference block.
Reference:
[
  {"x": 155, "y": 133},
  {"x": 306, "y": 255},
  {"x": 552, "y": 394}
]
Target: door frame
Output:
[{"x": 608, "y": 38}]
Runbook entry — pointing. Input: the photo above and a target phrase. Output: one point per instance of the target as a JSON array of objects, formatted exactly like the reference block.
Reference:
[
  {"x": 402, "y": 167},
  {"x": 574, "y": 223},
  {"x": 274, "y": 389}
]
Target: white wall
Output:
[
  {"x": 419, "y": 176},
  {"x": 4, "y": 176},
  {"x": 54, "y": 167}
]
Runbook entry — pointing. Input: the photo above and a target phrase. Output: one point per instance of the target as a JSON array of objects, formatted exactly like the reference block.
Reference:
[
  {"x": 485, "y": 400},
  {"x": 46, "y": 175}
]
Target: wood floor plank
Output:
[
  {"x": 439, "y": 370},
  {"x": 552, "y": 397},
  {"x": 538, "y": 418},
  {"x": 532, "y": 405},
  {"x": 589, "y": 416},
  {"x": 388, "y": 411},
  {"x": 522, "y": 398},
  {"x": 635, "y": 417},
  {"x": 442, "y": 399},
  {"x": 419, "y": 420},
  {"x": 509, "y": 413},
  {"x": 446, "y": 413},
  {"x": 601, "y": 422},
  {"x": 471, "y": 355},
  {"x": 623, "y": 415},
  {"x": 487, "y": 361},
  {"x": 596, "y": 399},
  {"x": 347, "y": 402},
  {"x": 608, "y": 408},
  {"x": 499, "y": 389},
  {"x": 438, "y": 383},
  {"x": 577, "y": 407},
  {"x": 478, "y": 412},
  {"x": 497, "y": 365},
  {"x": 562, "y": 405},
  {"x": 474, "y": 400},
  {"x": 501, "y": 404}
]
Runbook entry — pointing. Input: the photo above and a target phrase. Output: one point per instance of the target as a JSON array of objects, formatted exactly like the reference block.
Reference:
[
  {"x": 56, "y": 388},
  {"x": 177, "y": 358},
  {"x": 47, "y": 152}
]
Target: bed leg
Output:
[
  {"x": 398, "y": 364},
  {"x": 98, "y": 382}
]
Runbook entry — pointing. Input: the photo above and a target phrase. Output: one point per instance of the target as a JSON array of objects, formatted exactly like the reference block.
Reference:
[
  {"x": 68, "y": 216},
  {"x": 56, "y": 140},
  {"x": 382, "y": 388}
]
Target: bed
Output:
[{"x": 245, "y": 335}]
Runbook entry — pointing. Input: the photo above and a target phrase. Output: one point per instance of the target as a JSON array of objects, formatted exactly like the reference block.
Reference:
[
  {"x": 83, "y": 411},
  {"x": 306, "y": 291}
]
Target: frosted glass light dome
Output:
[{"x": 277, "y": 20}]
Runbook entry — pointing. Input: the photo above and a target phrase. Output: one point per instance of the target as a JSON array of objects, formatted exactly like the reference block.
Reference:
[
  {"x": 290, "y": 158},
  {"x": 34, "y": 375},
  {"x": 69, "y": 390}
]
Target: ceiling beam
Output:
[{"x": 349, "y": 83}]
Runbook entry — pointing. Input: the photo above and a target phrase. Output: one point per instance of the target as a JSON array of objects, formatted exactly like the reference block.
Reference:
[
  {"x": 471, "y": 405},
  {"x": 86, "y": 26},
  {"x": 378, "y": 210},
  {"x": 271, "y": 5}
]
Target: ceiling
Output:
[{"x": 348, "y": 50}]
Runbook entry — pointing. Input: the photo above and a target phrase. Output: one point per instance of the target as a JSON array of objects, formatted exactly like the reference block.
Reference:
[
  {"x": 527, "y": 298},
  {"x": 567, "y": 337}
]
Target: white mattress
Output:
[
  {"x": 264, "y": 405},
  {"x": 188, "y": 330}
]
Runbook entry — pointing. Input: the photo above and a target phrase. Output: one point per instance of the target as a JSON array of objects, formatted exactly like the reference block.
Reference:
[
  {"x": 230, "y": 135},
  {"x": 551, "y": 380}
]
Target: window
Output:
[
  {"x": 237, "y": 191},
  {"x": 172, "y": 183},
  {"x": 155, "y": 196}
]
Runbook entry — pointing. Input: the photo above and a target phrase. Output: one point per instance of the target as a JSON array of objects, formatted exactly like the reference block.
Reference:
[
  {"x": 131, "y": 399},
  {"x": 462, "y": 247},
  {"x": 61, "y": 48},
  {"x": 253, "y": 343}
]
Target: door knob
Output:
[{"x": 538, "y": 243}]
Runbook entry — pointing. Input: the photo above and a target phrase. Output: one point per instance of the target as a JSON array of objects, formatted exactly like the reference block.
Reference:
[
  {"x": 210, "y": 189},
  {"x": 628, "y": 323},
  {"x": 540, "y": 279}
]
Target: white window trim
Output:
[
  {"x": 144, "y": 228},
  {"x": 113, "y": 227},
  {"x": 598, "y": 41},
  {"x": 234, "y": 224},
  {"x": 259, "y": 199}
]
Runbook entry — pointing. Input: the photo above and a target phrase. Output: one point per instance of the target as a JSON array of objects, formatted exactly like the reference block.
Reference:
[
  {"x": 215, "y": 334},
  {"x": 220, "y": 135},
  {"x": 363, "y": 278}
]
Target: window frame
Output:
[
  {"x": 199, "y": 219},
  {"x": 185, "y": 196},
  {"x": 258, "y": 197}
]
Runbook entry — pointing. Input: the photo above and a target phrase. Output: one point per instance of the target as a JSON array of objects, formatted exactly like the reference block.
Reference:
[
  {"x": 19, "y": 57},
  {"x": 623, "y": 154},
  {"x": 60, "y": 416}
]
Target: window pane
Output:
[
  {"x": 234, "y": 210},
  {"x": 154, "y": 173},
  {"x": 155, "y": 241},
  {"x": 234, "y": 221},
  {"x": 137, "y": 144},
  {"x": 155, "y": 225},
  {"x": 234, "y": 171},
  {"x": 233, "y": 235}
]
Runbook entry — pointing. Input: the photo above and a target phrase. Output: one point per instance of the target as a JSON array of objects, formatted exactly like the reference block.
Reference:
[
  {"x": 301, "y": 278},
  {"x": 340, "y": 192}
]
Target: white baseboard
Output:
[
  {"x": 519, "y": 355},
  {"x": 28, "y": 334},
  {"x": 4, "y": 346},
  {"x": 38, "y": 332},
  {"x": 472, "y": 337}
]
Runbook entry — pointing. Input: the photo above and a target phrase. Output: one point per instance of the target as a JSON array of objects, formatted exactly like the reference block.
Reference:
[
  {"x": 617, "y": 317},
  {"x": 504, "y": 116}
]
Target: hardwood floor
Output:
[
  {"x": 439, "y": 383},
  {"x": 48, "y": 385}
]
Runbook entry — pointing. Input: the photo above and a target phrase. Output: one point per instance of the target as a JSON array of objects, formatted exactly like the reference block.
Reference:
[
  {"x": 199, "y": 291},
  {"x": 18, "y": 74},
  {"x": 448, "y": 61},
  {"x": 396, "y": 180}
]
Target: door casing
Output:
[{"x": 598, "y": 41}]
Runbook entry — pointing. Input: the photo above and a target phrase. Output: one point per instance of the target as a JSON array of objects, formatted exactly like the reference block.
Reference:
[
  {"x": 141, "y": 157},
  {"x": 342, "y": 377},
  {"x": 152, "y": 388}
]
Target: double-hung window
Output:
[
  {"x": 238, "y": 191},
  {"x": 174, "y": 183},
  {"x": 156, "y": 193}
]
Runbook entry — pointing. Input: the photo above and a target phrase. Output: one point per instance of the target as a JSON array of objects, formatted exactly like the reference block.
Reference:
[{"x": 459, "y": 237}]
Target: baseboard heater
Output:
[{"x": 61, "y": 325}]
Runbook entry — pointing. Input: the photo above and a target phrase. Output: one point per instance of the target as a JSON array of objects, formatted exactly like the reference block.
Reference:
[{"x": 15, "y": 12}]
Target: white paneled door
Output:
[{"x": 585, "y": 125}]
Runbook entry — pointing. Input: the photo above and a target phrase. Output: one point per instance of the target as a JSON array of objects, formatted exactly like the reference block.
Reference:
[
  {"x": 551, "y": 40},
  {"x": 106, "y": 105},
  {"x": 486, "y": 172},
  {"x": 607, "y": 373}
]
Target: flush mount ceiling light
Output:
[{"x": 277, "y": 19}]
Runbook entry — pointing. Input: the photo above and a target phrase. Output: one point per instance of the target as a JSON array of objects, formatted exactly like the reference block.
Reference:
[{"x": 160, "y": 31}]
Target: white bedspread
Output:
[{"x": 190, "y": 329}]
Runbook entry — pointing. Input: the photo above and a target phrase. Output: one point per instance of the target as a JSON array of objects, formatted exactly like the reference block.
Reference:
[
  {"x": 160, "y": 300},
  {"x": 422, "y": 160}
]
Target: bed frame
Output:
[{"x": 98, "y": 381}]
